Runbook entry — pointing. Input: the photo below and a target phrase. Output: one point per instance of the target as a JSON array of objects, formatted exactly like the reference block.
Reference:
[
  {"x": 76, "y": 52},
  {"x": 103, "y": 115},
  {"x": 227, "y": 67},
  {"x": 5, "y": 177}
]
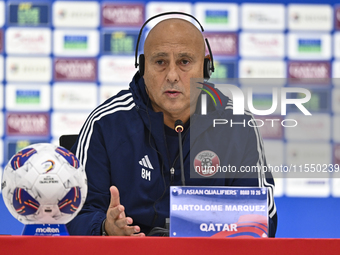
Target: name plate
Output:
[{"x": 218, "y": 212}]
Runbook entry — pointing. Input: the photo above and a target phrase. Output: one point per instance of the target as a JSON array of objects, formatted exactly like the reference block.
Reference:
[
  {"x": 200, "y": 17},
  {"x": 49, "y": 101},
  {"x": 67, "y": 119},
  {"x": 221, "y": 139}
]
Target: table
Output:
[{"x": 163, "y": 245}]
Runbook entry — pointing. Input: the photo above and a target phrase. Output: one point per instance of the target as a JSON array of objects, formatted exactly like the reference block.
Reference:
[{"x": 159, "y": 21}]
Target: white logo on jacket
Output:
[{"x": 145, "y": 162}]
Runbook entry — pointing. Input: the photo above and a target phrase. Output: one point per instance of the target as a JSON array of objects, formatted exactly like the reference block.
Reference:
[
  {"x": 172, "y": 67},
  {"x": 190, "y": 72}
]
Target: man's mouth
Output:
[{"x": 172, "y": 93}]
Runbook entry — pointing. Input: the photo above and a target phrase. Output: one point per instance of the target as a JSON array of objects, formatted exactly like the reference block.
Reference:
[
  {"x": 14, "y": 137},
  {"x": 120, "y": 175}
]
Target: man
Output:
[{"x": 129, "y": 147}]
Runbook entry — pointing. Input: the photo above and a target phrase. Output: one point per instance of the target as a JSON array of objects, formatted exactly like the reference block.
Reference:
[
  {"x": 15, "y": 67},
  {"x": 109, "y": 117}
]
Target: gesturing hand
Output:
[{"x": 117, "y": 224}]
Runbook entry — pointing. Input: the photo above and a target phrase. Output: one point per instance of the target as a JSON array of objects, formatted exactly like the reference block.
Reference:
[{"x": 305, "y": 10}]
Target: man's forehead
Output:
[
  {"x": 175, "y": 23},
  {"x": 174, "y": 33},
  {"x": 156, "y": 54}
]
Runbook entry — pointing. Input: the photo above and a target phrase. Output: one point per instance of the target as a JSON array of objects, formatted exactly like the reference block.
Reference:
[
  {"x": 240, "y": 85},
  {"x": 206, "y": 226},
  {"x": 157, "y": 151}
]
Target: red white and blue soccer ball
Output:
[{"x": 44, "y": 184}]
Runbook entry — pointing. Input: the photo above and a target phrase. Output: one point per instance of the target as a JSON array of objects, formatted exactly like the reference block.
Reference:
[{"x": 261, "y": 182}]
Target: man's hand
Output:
[{"x": 117, "y": 224}]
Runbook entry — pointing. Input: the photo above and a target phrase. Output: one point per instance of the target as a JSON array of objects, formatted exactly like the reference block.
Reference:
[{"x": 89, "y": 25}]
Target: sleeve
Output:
[
  {"x": 254, "y": 155},
  {"x": 91, "y": 152}
]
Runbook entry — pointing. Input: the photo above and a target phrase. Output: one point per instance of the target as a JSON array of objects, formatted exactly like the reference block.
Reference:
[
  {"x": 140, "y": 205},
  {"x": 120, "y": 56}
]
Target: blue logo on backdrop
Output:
[
  {"x": 224, "y": 70},
  {"x": 320, "y": 101},
  {"x": 217, "y": 16},
  {"x": 309, "y": 45},
  {"x": 120, "y": 43},
  {"x": 75, "y": 42},
  {"x": 29, "y": 14}
]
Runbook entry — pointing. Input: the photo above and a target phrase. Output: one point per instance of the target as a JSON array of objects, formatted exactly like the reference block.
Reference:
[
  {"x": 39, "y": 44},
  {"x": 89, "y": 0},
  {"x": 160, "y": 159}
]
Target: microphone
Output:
[{"x": 179, "y": 129}]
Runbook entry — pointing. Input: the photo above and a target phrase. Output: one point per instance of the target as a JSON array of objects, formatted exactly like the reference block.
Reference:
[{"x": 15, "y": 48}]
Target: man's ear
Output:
[
  {"x": 141, "y": 64},
  {"x": 207, "y": 68}
]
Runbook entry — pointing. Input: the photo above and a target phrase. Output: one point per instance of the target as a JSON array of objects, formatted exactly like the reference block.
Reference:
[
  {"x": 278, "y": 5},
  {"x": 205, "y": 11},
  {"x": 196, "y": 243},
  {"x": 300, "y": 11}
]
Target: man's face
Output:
[{"x": 173, "y": 55}]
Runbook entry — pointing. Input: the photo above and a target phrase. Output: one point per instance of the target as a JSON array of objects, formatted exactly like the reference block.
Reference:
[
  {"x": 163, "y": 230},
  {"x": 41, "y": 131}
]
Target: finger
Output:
[
  {"x": 137, "y": 230},
  {"x": 129, "y": 230},
  {"x": 121, "y": 223},
  {"x": 116, "y": 212},
  {"x": 139, "y": 234},
  {"x": 115, "y": 200}
]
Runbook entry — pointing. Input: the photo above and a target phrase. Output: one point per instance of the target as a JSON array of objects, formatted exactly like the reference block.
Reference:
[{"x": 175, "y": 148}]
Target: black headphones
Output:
[{"x": 208, "y": 66}]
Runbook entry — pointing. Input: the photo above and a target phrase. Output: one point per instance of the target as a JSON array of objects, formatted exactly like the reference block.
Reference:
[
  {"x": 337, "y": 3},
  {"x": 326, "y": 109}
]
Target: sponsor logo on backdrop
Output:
[
  {"x": 107, "y": 91},
  {"x": 66, "y": 69},
  {"x": 224, "y": 70},
  {"x": 309, "y": 72},
  {"x": 67, "y": 123},
  {"x": 76, "y": 42},
  {"x": 310, "y": 128},
  {"x": 76, "y": 14},
  {"x": 262, "y": 45},
  {"x": 28, "y": 69},
  {"x": 27, "y": 97},
  {"x": 262, "y": 99},
  {"x": 217, "y": 16},
  {"x": 32, "y": 124},
  {"x": 28, "y": 41},
  {"x": 17, "y": 145},
  {"x": 269, "y": 129},
  {"x": 224, "y": 44},
  {"x": 154, "y": 8},
  {"x": 120, "y": 42},
  {"x": 319, "y": 101},
  {"x": 116, "y": 69},
  {"x": 29, "y": 14},
  {"x": 263, "y": 16},
  {"x": 262, "y": 69},
  {"x": 309, "y": 46},
  {"x": 74, "y": 96},
  {"x": 123, "y": 15},
  {"x": 310, "y": 17}
]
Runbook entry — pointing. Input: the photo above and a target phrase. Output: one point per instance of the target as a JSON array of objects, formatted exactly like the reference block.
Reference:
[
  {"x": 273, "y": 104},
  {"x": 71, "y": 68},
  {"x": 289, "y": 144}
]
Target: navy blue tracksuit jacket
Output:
[{"x": 123, "y": 136}]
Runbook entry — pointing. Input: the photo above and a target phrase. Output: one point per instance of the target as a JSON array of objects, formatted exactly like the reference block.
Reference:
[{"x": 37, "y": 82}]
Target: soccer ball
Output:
[{"x": 44, "y": 184}]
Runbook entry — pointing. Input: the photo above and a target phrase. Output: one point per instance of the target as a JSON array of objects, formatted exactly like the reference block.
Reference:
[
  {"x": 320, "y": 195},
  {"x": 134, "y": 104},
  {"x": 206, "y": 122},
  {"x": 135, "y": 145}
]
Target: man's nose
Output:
[{"x": 172, "y": 75}]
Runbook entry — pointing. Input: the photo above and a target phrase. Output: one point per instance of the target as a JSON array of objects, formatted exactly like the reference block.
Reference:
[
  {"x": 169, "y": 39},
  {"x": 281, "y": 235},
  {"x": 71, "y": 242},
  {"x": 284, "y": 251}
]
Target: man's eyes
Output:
[
  {"x": 182, "y": 62},
  {"x": 185, "y": 61},
  {"x": 160, "y": 62}
]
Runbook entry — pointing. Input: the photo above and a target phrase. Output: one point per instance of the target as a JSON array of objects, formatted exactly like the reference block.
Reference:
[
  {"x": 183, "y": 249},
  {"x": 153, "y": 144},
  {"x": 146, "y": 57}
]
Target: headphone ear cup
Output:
[
  {"x": 206, "y": 68},
  {"x": 141, "y": 65}
]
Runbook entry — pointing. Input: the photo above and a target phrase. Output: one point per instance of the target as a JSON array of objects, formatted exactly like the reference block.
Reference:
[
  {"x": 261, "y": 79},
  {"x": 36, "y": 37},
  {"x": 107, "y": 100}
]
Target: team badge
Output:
[{"x": 206, "y": 163}]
